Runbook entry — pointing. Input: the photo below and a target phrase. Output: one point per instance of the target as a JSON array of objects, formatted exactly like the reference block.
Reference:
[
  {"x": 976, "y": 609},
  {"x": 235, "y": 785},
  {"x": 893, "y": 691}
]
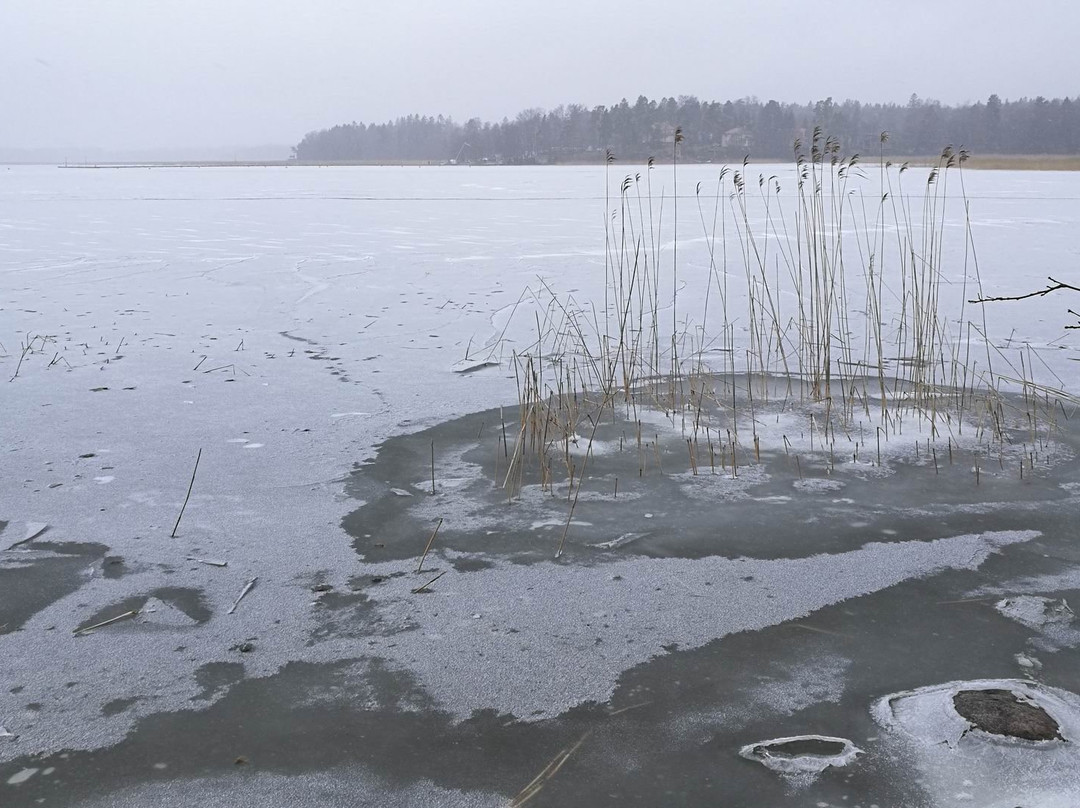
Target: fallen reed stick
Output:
[
  {"x": 243, "y": 593},
  {"x": 420, "y": 589},
  {"x": 537, "y": 783},
  {"x": 109, "y": 622}
]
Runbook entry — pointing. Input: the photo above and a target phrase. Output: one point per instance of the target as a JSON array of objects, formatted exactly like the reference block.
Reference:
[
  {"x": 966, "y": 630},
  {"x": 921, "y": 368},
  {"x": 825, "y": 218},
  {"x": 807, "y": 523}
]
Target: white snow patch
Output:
[{"x": 21, "y": 776}]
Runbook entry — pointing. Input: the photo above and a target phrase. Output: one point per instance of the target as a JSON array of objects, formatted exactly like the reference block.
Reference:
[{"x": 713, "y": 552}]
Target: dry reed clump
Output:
[{"x": 825, "y": 299}]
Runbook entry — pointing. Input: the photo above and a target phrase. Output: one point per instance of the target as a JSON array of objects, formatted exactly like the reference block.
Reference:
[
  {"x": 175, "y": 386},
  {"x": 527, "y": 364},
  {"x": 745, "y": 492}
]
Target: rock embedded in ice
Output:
[
  {"x": 1003, "y": 742},
  {"x": 950, "y": 713},
  {"x": 1003, "y": 712},
  {"x": 802, "y": 754}
]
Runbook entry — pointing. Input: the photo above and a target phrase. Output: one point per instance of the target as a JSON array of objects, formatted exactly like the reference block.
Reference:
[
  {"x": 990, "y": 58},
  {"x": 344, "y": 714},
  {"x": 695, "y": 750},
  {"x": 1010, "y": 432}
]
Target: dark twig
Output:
[
  {"x": 192, "y": 483},
  {"x": 1057, "y": 286},
  {"x": 18, "y": 366}
]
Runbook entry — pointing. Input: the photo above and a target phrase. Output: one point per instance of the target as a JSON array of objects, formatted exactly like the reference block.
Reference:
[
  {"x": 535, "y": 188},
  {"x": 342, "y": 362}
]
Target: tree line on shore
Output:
[{"x": 712, "y": 130}]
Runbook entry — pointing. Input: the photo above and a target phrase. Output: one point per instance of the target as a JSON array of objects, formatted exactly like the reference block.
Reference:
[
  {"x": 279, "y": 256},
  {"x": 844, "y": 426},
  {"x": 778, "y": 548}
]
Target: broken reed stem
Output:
[
  {"x": 433, "y": 467},
  {"x": 243, "y": 594},
  {"x": 427, "y": 547},
  {"x": 186, "y": 498},
  {"x": 21, "y": 358}
]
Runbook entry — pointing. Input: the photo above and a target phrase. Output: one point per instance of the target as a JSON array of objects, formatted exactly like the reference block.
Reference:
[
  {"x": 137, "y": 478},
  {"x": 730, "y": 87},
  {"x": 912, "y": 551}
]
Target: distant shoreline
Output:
[{"x": 989, "y": 162}]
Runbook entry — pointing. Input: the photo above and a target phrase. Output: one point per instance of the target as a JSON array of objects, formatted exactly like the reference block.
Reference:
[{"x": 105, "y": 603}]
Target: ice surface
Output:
[
  {"x": 1036, "y": 612},
  {"x": 602, "y": 620},
  {"x": 322, "y": 340},
  {"x": 158, "y": 612},
  {"x": 1053, "y": 619}
]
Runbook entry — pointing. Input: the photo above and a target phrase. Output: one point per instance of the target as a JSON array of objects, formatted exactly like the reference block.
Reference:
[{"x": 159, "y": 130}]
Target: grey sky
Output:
[{"x": 126, "y": 74}]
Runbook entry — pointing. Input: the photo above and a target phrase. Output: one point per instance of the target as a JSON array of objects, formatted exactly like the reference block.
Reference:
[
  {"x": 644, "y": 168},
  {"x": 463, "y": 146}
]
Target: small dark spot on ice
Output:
[{"x": 116, "y": 706}]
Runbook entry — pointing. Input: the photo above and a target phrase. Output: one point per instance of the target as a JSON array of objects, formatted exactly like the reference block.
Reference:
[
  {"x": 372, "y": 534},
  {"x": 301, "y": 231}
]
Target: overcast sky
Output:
[{"x": 126, "y": 74}]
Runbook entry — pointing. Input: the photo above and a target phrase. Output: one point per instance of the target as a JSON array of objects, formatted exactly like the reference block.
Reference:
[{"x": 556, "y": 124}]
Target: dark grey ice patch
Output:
[
  {"x": 779, "y": 690},
  {"x": 114, "y": 567},
  {"x": 1068, "y": 578},
  {"x": 186, "y": 600},
  {"x": 33, "y": 579},
  {"x": 117, "y": 706},
  {"x": 216, "y": 677}
]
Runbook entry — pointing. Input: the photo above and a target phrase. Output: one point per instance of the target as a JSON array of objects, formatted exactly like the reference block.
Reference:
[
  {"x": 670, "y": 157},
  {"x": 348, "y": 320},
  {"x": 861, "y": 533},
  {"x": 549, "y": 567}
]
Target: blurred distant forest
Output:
[{"x": 711, "y": 130}]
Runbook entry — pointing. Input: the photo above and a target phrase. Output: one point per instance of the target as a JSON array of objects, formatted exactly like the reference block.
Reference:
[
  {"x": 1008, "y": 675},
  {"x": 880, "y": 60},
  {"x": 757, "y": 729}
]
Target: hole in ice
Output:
[{"x": 802, "y": 754}]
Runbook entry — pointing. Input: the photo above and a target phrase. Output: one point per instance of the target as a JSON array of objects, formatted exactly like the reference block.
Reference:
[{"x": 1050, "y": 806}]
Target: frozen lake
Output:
[{"x": 302, "y": 326}]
